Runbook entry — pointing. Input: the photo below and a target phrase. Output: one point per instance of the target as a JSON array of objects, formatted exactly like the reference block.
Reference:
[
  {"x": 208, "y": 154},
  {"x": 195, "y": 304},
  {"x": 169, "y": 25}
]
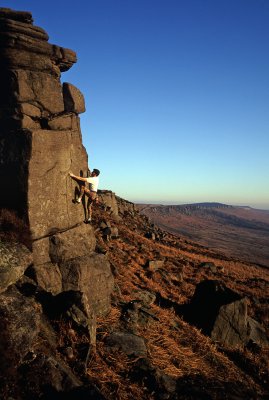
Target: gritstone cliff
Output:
[{"x": 40, "y": 142}]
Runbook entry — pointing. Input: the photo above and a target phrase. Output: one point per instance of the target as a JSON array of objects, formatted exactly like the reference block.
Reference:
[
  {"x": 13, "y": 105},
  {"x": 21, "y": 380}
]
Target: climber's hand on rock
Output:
[{"x": 71, "y": 175}]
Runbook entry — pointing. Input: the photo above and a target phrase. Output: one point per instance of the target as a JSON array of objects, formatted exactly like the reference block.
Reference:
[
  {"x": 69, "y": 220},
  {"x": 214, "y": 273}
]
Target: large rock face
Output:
[
  {"x": 40, "y": 143},
  {"x": 39, "y": 127},
  {"x": 50, "y": 189}
]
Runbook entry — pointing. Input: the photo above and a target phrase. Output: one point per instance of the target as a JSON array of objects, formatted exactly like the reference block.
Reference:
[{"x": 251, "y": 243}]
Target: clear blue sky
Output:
[{"x": 177, "y": 94}]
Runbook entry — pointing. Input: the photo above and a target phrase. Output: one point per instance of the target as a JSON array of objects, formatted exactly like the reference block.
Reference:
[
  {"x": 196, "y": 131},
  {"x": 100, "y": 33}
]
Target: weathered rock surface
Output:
[
  {"x": 92, "y": 276},
  {"x": 73, "y": 99},
  {"x": 48, "y": 277},
  {"x": 40, "y": 144},
  {"x": 222, "y": 314},
  {"x": 126, "y": 207},
  {"x": 58, "y": 377},
  {"x": 14, "y": 260},
  {"x": 108, "y": 199},
  {"x": 147, "y": 298},
  {"x": 20, "y": 325},
  {"x": 40, "y": 140},
  {"x": 72, "y": 243},
  {"x": 129, "y": 343},
  {"x": 50, "y": 189},
  {"x": 62, "y": 246}
]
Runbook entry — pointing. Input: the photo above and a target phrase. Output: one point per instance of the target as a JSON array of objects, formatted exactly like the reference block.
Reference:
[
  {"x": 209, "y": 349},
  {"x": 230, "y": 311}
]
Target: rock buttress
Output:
[
  {"x": 40, "y": 143},
  {"x": 40, "y": 137}
]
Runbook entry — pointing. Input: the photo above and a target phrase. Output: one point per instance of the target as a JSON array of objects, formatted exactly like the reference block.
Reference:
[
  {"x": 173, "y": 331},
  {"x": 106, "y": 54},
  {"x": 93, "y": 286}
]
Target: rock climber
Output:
[{"x": 91, "y": 193}]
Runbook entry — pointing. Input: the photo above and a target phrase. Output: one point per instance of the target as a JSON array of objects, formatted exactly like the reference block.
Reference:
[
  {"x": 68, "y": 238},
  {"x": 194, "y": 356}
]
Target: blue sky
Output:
[{"x": 177, "y": 94}]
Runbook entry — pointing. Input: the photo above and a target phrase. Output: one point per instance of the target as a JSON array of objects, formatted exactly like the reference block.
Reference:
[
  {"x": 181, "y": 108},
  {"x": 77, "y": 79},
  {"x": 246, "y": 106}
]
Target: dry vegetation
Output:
[
  {"x": 174, "y": 347},
  {"x": 13, "y": 228},
  {"x": 177, "y": 353}
]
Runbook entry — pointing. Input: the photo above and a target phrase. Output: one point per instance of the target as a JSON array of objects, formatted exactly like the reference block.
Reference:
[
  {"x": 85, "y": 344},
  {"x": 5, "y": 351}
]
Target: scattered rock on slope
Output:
[{"x": 222, "y": 314}]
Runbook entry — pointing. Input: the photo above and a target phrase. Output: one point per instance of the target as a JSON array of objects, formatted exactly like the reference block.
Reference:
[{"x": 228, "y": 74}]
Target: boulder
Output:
[
  {"x": 73, "y": 99},
  {"x": 47, "y": 276},
  {"x": 75, "y": 242},
  {"x": 41, "y": 89},
  {"x": 104, "y": 224},
  {"x": 61, "y": 123},
  {"x": 19, "y": 326},
  {"x": 222, "y": 314},
  {"x": 256, "y": 333},
  {"x": 233, "y": 327},
  {"x": 19, "y": 35},
  {"x": 155, "y": 380},
  {"x": 136, "y": 313},
  {"x": 47, "y": 374},
  {"x": 15, "y": 258},
  {"x": 208, "y": 266},
  {"x": 22, "y": 16},
  {"x": 128, "y": 343},
  {"x": 40, "y": 144},
  {"x": 30, "y": 110},
  {"x": 130, "y": 315},
  {"x": 147, "y": 298},
  {"x": 92, "y": 276},
  {"x": 230, "y": 326},
  {"x": 108, "y": 231},
  {"x": 62, "y": 246},
  {"x": 204, "y": 306},
  {"x": 27, "y": 122}
]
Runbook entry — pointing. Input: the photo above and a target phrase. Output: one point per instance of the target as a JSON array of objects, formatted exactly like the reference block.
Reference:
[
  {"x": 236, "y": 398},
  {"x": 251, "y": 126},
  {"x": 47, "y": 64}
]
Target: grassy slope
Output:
[
  {"x": 175, "y": 347},
  {"x": 203, "y": 370}
]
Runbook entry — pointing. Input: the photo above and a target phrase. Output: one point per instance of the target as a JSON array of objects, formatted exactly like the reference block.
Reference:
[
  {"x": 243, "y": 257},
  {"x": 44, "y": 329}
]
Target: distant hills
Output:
[{"x": 237, "y": 231}]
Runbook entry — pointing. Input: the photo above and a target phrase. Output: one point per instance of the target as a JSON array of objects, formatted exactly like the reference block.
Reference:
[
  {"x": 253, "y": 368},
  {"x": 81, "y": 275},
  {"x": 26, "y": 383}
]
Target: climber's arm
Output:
[{"x": 77, "y": 178}]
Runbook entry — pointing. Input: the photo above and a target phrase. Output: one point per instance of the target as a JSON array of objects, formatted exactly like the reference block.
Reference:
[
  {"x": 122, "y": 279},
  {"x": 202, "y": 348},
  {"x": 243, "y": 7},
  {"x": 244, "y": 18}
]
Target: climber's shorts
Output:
[{"x": 92, "y": 195}]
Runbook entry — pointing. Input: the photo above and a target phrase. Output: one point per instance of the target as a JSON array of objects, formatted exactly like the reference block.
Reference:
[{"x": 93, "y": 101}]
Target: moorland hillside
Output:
[
  {"x": 117, "y": 308},
  {"x": 241, "y": 232}
]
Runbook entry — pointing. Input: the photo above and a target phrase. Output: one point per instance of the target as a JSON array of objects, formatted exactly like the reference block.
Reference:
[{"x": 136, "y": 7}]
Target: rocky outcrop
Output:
[
  {"x": 52, "y": 345},
  {"x": 222, "y": 314},
  {"x": 126, "y": 207},
  {"x": 92, "y": 276},
  {"x": 14, "y": 260},
  {"x": 40, "y": 143},
  {"x": 20, "y": 324},
  {"x": 39, "y": 127},
  {"x": 109, "y": 201}
]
